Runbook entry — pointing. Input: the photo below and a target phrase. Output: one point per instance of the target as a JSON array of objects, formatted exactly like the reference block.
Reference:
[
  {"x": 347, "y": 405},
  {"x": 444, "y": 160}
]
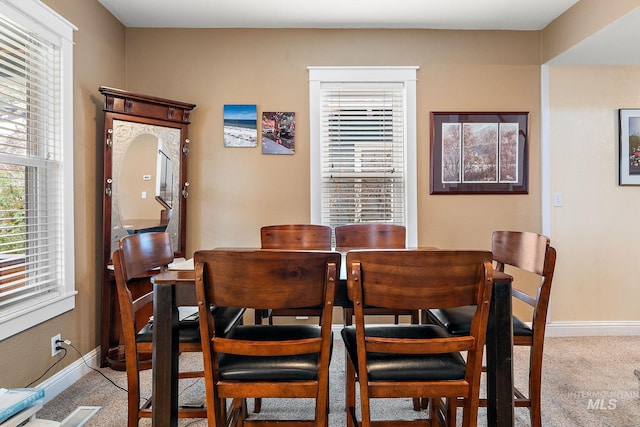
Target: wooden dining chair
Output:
[
  {"x": 532, "y": 253},
  {"x": 407, "y": 360},
  {"x": 139, "y": 257},
  {"x": 266, "y": 361},
  {"x": 293, "y": 236},
  {"x": 373, "y": 236}
]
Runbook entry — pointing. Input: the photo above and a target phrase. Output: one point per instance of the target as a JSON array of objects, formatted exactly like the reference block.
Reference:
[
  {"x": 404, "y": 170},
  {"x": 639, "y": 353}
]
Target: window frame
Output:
[
  {"x": 39, "y": 19},
  {"x": 365, "y": 74}
]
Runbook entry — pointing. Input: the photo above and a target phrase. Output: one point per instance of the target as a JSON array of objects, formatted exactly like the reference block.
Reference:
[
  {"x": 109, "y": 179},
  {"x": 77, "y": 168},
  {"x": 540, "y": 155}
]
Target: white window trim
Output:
[
  {"x": 35, "y": 15},
  {"x": 403, "y": 74}
]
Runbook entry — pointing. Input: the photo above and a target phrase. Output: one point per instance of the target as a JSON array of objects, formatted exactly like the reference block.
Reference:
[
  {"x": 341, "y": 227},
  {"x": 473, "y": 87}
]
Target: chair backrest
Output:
[
  {"x": 530, "y": 252},
  {"x": 139, "y": 256},
  {"x": 296, "y": 236},
  {"x": 418, "y": 279},
  {"x": 144, "y": 252},
  {"x": 422, "y": 279},
  {"x": 370, "y": 235},
  {"x": 248, "y": 278}
]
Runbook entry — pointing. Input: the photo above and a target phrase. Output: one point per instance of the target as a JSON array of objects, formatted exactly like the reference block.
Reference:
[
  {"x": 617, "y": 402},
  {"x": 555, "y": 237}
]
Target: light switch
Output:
[
  {"x": 144, "y": 194},
  {"x": 557, "y": 199},
  {"x": 146, "y": 177}
]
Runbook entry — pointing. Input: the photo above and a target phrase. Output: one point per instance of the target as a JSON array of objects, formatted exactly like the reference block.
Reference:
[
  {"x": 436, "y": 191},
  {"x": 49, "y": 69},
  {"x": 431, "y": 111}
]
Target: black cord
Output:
[
  {"x": 49, "y": 368},
  {"x": 142, "y": 398},
  {"x": 91, "y": 367}
]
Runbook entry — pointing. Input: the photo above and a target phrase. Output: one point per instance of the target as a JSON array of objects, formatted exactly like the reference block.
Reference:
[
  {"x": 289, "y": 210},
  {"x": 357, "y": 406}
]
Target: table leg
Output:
[
  {"x": 499, "y": 348},
  {"x": 165, "y": 357}
]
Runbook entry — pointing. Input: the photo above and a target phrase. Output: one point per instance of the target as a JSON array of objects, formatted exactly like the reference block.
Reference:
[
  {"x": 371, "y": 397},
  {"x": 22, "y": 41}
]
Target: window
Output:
[
  {"x": 363, "y": 146},
  {"x": 36, "y": 159}
]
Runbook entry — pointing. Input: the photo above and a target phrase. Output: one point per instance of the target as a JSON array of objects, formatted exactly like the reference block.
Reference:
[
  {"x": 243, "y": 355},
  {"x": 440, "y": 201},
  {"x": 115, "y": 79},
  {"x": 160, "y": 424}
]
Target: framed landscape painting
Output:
[
  {"x": 629, "y": 166},
  {"x": 479, "y": 153}
]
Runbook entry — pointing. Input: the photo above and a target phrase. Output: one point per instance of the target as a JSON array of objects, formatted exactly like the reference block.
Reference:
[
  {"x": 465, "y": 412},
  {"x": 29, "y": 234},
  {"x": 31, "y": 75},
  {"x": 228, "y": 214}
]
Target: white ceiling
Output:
[
  {"x": 614, "y": 45},
  {"x": 440, "y": 14}
]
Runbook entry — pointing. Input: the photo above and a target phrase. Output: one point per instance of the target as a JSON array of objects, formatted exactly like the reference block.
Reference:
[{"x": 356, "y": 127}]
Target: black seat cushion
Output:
[
  {"x": 189, "y": 331},
  {"x": 406, "y": 367},
  {"x": 458, "y": 321},
  {"x": 303, "y": 367}
]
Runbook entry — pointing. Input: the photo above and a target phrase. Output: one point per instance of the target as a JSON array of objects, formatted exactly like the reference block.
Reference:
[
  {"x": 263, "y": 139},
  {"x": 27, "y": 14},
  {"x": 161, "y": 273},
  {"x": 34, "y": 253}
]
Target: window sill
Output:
[{"x": 33, "y": 315}]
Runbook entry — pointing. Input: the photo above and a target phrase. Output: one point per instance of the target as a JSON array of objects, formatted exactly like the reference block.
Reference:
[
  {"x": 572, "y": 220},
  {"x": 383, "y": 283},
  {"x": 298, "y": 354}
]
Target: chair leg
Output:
[
  {"x": 322, "y": 407},
  {"x": 536, "y": 416},
  {"x": 244, "y": 411},
  {"x": 452, "y": 411},
  {"x": 365, "y": 407},
  {"x": 535, "y": 388},
  {"x": 132, "y": 419},
  {"x": 347, "y": 313},
  {"x": 432, "y": 404},
  {"x": 133, "y": 400},
  {"x": 220, "y": 412},
  {"x": 350, "y": 394},
  {"x": 418, "y": 403},
  {"x": 258, "y": 316},
  {"x": 424, "y": 403}
]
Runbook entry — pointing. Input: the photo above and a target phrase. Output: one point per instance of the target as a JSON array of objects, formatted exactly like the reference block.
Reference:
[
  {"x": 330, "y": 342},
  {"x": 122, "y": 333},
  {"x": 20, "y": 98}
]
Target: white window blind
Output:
[
  {"x": 363, "y": 153},
  {"x": 36, "y": 215},
  {"x": 362, "y": 142}
]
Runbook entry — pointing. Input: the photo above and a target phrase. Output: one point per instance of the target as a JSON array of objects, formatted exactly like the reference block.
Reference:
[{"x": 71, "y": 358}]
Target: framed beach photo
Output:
[
  {"x": 479, "y": 153},
  {"x": 629, "y": 161},
  {"x": 240, "y": 125}
]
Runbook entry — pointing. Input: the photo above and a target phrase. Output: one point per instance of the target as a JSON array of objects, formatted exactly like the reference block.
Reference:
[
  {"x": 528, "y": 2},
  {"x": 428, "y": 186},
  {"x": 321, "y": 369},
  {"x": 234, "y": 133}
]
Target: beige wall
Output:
[
  {"x": 595, "y": 231},
  {"x": 234, "y": 192},
  {"x": 98, "y": 60}
]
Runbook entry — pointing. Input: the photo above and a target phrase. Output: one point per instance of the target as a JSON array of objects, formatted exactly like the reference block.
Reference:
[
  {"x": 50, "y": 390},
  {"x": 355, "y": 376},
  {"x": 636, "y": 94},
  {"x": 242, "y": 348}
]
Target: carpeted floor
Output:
[{"x": 587, "y": 381}]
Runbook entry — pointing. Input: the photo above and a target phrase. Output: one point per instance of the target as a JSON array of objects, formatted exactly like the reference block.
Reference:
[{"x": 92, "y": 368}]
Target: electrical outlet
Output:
[{"x": 55, "y": 344}]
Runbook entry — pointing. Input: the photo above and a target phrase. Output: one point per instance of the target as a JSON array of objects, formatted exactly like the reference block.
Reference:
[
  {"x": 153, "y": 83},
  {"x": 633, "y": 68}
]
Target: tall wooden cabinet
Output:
[{"x": 145, "y": 188}]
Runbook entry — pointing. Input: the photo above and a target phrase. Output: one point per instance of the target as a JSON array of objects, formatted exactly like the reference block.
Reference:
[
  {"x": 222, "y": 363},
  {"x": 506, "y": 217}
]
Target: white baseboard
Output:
[
  {"x": 587, "y": 329},
  {"x": 62, "y": 380}
]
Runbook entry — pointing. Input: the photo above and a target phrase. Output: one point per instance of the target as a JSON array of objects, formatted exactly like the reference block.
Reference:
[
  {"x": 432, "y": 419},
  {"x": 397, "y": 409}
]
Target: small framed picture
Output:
[
  {"x": 629, "y": 164},
  {"x": 240, "y": 125},
  {"x": 278, "y": 133},
  {"x": 479, "y": 153}
]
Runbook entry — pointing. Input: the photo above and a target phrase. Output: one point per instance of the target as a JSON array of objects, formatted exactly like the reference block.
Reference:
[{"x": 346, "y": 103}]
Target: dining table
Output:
[{"x": 176, "y": 287}]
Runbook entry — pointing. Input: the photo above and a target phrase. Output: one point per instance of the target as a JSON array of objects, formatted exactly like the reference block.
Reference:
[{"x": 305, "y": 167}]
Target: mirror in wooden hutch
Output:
[{"x": 145, "y": 189}]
